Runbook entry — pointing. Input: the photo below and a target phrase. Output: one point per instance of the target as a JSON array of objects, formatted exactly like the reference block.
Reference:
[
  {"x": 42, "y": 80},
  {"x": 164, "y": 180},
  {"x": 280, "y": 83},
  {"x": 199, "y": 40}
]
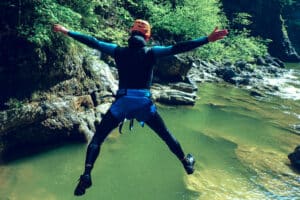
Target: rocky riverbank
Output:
[
  {"x": 248, "y": 75},
  {"x": 252, "y": 76}
]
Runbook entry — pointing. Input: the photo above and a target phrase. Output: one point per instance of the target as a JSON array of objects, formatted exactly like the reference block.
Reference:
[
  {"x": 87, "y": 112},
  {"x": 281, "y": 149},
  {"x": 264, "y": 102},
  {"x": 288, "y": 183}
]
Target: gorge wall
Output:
[{"x": 268, "y": 23}]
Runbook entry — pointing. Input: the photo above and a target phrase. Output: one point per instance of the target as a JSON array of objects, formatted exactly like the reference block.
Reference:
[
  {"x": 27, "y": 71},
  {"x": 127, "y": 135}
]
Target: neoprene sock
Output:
[
  {"x": 91, "y": 156},
  {"x": 87, "y": 170}
]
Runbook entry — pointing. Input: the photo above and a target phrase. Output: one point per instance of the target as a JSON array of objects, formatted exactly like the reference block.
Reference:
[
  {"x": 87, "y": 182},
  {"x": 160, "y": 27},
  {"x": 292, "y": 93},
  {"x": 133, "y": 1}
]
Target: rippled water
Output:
[
  {"x": 288, "y": 85},
  {"x": 240, "y": 144}
]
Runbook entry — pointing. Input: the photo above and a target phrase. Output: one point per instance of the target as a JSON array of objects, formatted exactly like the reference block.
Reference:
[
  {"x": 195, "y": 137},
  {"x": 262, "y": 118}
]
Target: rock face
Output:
[
  {"x": 67, "y": 110},
  {"x": 292, "y": 16},
  {"x": 172, "y": 68},
  {"x": 174, "y": 93},
  {"x": 172, "y": 85},
  {"x": 267, "y": 22},
  {"x": 47, "y": 123}
]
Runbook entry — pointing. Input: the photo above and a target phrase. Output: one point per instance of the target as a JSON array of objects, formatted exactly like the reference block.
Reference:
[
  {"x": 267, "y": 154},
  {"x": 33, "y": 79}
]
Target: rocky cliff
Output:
[
  {"x": 268, "y": 22},
  {"x": 292, "y": 16}
]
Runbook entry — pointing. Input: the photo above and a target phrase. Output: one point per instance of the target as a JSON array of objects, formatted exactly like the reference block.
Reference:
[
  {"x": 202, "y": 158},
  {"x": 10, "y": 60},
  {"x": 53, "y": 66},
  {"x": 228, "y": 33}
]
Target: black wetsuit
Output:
[{"x": 135, "y": 68}]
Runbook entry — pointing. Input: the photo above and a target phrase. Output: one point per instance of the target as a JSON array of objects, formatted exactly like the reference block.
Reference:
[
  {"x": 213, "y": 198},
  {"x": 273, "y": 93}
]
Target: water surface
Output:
[{"x": 240, "y": 144}]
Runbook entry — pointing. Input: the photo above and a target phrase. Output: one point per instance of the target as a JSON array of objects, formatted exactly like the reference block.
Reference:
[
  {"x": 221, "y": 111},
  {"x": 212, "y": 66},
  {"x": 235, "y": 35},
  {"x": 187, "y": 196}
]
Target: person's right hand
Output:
[
  {"x": 60, "y": 28},
  {"x": 217, "y": 34}
]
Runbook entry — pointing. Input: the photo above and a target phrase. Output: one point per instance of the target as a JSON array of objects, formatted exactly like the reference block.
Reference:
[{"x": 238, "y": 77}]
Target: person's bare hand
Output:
[
  {"x": 60, "y": 28},
  {"x": 217, "y": 34}
]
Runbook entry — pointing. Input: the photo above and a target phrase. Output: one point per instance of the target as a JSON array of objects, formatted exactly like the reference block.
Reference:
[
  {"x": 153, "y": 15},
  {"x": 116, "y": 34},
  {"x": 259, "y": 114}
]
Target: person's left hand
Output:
[{"x": 217, "y": 34}]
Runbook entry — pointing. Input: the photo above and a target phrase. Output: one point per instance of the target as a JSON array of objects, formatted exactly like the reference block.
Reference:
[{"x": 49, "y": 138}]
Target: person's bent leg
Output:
[
  {"x": 107, "y": 124},
  {"x": 156, "y": 123}
]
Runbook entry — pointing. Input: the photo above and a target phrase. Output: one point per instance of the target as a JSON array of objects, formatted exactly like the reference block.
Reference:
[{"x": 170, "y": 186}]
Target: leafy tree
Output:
[
  {"x": 197, "y": 18},
  {"x": 172, "y": 21}
]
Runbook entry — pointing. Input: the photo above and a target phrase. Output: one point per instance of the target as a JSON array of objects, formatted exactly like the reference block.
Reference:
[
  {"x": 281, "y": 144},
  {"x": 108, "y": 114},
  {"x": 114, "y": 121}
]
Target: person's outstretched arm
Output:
[
  {"x": 160, "y": 51},
  {"x": 105, "y": 47}
]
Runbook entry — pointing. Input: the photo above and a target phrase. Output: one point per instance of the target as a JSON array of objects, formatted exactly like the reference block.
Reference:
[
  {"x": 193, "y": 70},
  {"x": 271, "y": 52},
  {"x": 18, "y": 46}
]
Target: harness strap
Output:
[
  {"x": 131, "y": 123},
  {"x": 133, "y": 92},
  {"x": 121, "y": 92},
  {"x": 121, "y": 126}
]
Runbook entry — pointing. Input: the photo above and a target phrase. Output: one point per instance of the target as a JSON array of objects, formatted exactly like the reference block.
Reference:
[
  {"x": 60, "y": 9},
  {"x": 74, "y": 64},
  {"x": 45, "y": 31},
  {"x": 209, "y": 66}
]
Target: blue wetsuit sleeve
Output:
[
  {"x": 180, "y": 47},
  {"x": 105, "y": 47}
]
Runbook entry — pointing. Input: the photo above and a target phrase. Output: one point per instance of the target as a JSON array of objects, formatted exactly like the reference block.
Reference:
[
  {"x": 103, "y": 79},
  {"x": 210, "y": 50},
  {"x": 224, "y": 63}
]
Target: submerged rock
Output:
[
  {"x": 268, "y": 165},
  {"x": 255, "y": 93},
  {"x": 296, "y": 127},
  {"x": 295, "y": 158}
]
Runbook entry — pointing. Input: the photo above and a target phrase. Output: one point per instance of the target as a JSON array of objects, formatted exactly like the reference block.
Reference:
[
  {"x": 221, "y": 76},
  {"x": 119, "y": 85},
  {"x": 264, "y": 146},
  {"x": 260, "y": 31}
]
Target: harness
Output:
[
  {"x": 130, "y": 125},
  {"x": 132, "y": 93}
]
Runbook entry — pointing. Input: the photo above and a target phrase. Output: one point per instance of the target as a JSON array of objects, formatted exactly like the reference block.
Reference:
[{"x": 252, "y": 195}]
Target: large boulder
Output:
[
  {"x": 68, "y": 110},
  {"x": 227, "y": 73},
  {"x": 172, "y": 69},
  {"x": 174, "y": 93},
  {"x": 27, "y": 68},
  {"x": 203, "y": 71},
  {"x": 35, "y": 126}
]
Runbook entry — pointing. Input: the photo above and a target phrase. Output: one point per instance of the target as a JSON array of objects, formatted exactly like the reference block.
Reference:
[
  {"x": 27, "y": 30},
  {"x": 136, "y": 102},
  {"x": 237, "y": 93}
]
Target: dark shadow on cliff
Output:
[
  {"x": 291, "y": 14},
  {"x": 26, "y": 68},
  {"x": 266, "y": 22},
  {"x": 9, "y": 156}
]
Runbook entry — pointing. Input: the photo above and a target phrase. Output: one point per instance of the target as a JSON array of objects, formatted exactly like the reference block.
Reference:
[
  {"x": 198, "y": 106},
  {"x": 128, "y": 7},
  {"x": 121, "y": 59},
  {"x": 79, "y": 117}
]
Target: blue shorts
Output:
[{"x": 134, "y": 103}]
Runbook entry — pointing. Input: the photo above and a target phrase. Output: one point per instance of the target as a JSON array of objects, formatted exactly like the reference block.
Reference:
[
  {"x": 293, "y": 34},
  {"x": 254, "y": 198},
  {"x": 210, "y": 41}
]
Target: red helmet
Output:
[{"x": 142, "y": 27}]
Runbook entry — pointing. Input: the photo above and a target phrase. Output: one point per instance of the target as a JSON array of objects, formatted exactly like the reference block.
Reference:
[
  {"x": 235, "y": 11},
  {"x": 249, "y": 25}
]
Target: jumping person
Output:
[{"x": 135, "y": 68}]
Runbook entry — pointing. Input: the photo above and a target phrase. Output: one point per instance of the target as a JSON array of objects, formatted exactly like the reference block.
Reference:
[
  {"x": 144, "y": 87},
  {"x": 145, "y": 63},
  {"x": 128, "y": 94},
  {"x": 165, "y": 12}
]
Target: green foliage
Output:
[
  {"x": 37, "y": 26},
  {"x": 105, "y": 19},
  {"x": 172, "y": 21},
  {"x": 237, "y": 46},
  {"x": 195, "y": 18},
  {"x": 240, "y": 46}
]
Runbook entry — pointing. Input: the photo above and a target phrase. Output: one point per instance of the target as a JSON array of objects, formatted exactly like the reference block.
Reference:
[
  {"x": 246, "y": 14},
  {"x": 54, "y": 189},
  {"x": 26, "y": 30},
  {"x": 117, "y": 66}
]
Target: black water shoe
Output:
[
  {"x": 85, "y": 182},
  {"x": 188, "y": 164}
]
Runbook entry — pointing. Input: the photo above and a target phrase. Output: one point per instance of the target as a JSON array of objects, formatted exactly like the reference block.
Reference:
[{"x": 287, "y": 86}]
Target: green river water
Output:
[{"x": 240, "y": 144}]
